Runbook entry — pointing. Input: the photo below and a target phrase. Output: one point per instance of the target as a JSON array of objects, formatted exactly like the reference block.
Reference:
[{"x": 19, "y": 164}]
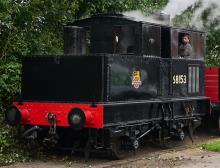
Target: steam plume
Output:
[
  {"x": 213, "y": 9},
  {"x": 176, "y": 7},
  {"x": 139, "y": 16}
]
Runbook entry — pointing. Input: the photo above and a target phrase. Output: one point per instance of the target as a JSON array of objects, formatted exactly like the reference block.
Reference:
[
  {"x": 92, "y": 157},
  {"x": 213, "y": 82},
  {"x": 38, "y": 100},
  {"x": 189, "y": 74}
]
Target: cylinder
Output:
[{"x": 74, "y": 40}]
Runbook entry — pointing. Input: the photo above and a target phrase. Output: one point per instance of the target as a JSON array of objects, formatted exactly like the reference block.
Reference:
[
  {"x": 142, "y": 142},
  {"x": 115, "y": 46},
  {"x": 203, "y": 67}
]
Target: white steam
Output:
[
  {"x": 176, "y": 7},
  {"x": 213, "y": 6},
  {"x": 136, "y": 15},
  {"x": 139, "y": 16}
]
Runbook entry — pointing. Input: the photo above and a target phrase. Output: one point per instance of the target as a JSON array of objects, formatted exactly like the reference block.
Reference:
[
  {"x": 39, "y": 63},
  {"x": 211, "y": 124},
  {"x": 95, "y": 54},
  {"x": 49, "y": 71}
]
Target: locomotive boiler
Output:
[{"x": 118, "y": 81}]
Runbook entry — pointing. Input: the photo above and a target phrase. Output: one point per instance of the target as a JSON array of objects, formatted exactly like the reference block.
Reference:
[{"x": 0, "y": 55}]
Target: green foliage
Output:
[
  {"x": 10, "y": 150},
  {"x": 33, "y": 26},
  {"x": 115, "y": 6},
  {"x": 213, "y": 47},
  {"x": 213, "y": 146},
  {"x": 9, "y": 80}
]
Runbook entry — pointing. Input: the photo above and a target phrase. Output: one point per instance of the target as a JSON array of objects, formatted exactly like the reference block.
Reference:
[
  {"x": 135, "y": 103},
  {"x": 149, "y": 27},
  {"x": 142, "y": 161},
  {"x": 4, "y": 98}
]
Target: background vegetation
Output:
[{"x": 36, "y": 27}]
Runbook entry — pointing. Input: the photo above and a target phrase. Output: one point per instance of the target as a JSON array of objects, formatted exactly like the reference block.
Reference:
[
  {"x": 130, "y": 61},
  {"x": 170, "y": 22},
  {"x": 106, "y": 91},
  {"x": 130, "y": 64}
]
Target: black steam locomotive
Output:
[{"x": 118, "y": 81}]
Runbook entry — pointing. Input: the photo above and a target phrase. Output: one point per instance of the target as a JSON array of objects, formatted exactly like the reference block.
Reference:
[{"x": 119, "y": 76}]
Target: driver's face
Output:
[{"x": 185, "y": 40}]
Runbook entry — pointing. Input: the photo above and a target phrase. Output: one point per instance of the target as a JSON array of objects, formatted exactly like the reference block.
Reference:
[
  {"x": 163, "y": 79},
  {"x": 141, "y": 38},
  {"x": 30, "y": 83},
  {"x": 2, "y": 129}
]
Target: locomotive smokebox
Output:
[{"x": 74, "y": 40}]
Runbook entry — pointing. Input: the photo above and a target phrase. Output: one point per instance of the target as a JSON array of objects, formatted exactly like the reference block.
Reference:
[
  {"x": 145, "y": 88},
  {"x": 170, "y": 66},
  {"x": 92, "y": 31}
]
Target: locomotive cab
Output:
[
  {"x": 118, "y": 34},
  {"x": 197, "y": 41}
]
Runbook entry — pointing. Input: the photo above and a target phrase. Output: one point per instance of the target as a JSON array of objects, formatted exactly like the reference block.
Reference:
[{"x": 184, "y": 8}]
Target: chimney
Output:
[
  {"x": 164, "y": 18},
  {"x": 74, "y": 40}
]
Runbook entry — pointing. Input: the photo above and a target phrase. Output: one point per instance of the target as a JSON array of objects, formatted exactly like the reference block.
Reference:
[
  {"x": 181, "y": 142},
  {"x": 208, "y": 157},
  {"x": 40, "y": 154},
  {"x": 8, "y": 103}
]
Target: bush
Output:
[
  {"x": 9, "y": 81},
  {"x": 10, "y": 147}
]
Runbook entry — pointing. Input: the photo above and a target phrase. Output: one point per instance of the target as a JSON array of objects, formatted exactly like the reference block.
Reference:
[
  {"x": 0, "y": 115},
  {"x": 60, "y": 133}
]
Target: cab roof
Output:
[{"x": 122, "y": 18}]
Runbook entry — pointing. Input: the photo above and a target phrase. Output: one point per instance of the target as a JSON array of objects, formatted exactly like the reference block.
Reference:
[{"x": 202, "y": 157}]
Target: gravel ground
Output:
[{"x": 183, "y": 155}]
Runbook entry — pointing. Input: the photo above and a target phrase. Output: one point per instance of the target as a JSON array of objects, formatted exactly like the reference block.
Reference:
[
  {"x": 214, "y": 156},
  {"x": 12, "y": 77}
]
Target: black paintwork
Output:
[
  {"x": 104, "y": 78},
  {"x": 74, "y": 40},
  {"x": 136, "y": 112},
  {"x": 62, "y": 78},
  {"x": 120, "y": 77}
]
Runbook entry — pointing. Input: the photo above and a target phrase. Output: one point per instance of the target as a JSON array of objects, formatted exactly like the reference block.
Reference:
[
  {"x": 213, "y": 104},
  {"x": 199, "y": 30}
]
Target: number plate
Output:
[{"x": 179, "y": 79}]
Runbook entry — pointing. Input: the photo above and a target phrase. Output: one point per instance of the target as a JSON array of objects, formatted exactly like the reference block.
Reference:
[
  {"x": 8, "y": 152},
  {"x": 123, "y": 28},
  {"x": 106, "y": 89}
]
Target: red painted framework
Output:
[
  {"x": 34, "y": 113},
  {"x": 212, "y": 84}
]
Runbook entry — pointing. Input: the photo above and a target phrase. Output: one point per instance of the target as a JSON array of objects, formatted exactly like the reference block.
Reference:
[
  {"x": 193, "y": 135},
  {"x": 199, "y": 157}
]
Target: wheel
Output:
[
  {"x": 32, "y": 147},
  {"x": 120, "y": 148},
  {"x": 166, "y": 141}
]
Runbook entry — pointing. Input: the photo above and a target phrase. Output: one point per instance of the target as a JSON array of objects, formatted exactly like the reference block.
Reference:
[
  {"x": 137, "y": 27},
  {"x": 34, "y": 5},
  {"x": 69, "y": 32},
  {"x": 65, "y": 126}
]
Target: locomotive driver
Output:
[{"x": 185, "y": 49}]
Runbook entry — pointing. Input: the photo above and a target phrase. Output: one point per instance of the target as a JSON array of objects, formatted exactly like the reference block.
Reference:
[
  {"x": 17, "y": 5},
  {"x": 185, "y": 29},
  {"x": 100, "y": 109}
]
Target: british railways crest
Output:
[{"x": 136, "y": 79}]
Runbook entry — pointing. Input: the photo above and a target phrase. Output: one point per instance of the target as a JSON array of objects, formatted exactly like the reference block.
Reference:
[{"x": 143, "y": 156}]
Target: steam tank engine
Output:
[{"x": 118, "y": 81}]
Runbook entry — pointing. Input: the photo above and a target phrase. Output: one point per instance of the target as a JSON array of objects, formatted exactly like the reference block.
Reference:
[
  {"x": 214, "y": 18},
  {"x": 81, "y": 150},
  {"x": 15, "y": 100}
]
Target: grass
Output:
[{"x": 213, "y": 146}]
